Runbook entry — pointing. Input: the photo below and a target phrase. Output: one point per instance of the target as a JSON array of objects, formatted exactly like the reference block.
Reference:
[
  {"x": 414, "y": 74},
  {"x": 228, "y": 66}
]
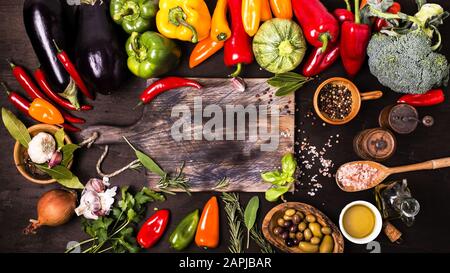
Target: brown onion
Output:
[{"x": 54, "y": 208}]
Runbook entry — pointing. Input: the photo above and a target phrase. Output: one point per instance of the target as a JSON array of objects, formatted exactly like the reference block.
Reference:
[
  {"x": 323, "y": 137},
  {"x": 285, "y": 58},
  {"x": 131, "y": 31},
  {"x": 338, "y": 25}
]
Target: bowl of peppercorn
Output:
[{"x": 337, "y": 100}]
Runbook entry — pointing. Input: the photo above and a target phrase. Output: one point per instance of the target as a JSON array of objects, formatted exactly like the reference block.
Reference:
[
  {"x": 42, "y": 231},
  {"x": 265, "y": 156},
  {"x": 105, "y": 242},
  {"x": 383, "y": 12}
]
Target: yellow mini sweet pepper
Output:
[
  {"x": 186, "y": 20},
  {"x": 220, "y": 30}
]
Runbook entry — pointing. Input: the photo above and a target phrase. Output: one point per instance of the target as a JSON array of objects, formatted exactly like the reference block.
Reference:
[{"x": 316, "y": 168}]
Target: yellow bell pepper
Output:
[
  {"x": 251, "y": 16},
  {"x": 186, "y": 20},
  {"x": 220, "y": 30}
]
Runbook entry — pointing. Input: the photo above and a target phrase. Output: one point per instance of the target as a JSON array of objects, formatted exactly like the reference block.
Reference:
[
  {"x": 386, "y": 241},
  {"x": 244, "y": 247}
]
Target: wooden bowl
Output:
[
  {"x": 19, "y": 151},
  {"x": 269, "y": 223},
  {"x": 357, "y": 97}
]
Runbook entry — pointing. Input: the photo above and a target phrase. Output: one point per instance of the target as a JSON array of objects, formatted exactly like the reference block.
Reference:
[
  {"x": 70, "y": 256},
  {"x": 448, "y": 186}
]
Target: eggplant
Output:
[
  {"x": 99, "y": 57},
  {"x": 45, "y": 21}
]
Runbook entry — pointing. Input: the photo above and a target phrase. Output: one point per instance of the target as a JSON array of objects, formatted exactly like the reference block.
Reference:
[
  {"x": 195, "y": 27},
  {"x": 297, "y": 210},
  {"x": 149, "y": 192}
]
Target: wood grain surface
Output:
[
  {"x": 240, "y": 161},
  {"x": 18, "y": 197}
]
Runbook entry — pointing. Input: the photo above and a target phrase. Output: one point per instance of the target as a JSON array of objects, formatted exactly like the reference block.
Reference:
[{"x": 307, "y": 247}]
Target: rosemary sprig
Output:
[
  {"x": 235, "y": 225},
  {"x": 167, "y": 184},
  {"x": 222, "y": 184},
  {"x": 255, "y": 233}
]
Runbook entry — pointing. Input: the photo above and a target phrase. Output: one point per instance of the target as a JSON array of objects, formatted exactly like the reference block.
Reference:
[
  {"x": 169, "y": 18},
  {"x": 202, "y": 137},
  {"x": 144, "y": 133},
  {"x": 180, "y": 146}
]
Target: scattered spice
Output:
[
  {"x": 357, "y": 175},
  {"x": 335, "y": 101}
]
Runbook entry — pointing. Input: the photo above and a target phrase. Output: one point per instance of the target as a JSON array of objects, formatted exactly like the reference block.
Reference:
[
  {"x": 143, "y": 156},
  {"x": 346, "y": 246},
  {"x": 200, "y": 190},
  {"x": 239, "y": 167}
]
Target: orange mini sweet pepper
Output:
[
  {"x": 266, "y": 13},
  {"x": 207, "y": 235},
  {"x": 203, "y": 50},
  {"x": 43, "y": 111},
  {"x": 281, "y": 8}
]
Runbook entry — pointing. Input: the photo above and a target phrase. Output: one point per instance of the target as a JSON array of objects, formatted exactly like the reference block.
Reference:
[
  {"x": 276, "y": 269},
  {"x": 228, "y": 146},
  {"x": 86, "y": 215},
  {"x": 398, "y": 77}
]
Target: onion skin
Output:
[{"x": 54, "y": 208}]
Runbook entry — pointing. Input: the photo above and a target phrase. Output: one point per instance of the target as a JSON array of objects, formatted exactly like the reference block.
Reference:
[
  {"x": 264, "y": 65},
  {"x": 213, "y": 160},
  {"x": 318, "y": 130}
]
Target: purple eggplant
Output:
[
  {"x": 45, "y": 21},
  {"x": 100, "y": 56}
]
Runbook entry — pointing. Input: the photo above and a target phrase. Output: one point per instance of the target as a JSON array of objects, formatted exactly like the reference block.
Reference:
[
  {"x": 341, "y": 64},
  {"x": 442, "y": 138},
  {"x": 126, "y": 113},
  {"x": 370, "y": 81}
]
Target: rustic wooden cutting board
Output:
[{"x": 206, "y": 162}]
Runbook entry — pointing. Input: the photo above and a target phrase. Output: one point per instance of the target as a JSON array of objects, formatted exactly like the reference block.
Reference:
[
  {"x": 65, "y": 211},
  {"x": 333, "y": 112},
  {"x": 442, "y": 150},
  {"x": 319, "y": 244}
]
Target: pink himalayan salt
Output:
[{"x": 358, "y": 176}]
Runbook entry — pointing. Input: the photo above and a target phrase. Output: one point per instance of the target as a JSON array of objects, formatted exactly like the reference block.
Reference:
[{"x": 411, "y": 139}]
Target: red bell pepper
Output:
[
  {"x": 430, "y": 98},
  {"x": 153, "y": 229},
  {"x": 355, "y": 37},
  {"x": 380, "y": 23},
  {"x": 238, "y": 48},
  {"x": 343, "y": 15},
  {"x": 318, "y": 61},
  {"x": 319, "y": 26}
]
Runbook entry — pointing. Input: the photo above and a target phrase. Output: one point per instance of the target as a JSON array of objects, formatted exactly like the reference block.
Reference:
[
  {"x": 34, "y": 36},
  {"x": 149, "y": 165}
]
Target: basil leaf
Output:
[
  {"x": 67, "y": 153},
  {"x": 271, "y": 177},
  {"x": 16, "y": 128},
  {"x": 274, "y": 193},
  {"x": 63, "y": 175},
  {"x": 147, "y": 161},
  {"x": 59, "y": 137},
  {"x": 250, "y": 213},
  {"x": 288, "y": 164}
]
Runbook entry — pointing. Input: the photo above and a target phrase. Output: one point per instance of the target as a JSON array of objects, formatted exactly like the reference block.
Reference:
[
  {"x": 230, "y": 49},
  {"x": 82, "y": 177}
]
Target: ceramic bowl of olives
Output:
[{"x": 300, "y": 228}]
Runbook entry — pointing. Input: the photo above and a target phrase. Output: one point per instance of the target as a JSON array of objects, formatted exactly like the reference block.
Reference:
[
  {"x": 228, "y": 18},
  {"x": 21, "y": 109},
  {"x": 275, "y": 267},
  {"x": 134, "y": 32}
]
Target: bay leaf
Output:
[
  {"x": 59, "y": 137},
  {"x": 67, "y": 153},
  {"x": 147, "y": 161},
  {"x": 16, "y": 128},
  {"x": 63, "y": 175}
]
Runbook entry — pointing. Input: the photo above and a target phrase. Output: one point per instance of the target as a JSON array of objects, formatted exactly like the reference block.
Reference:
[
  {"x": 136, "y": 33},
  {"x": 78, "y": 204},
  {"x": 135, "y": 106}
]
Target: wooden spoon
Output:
[{"x": 384, "y": 172}]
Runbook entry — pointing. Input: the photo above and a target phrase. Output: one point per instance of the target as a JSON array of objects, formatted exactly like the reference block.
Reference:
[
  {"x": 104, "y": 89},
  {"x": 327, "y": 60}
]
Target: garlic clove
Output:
[
  {"x": 95, "y": 185},
  {"x": 55, "y": 160},
  {"x": 238, "y": 84}
]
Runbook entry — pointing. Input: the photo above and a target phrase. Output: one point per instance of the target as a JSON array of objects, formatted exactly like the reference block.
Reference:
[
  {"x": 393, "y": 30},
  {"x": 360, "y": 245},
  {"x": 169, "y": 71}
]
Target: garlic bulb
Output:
[{"x": 41, "y": 148}]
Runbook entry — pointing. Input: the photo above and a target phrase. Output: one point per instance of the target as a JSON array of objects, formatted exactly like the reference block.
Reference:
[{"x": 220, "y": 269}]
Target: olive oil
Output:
[{"x": 359, "y": 221}]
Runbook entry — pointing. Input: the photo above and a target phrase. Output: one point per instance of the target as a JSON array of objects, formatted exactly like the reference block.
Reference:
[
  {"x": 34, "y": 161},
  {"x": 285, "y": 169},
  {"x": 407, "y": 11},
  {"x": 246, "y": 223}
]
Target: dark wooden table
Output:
[{"x": 429, "y": 234}]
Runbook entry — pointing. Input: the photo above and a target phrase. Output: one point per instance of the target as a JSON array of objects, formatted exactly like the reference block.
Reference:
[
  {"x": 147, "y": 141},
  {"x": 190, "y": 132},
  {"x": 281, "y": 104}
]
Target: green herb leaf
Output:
[
  {"x": 274, "y": 193},
  {"x": 67, "y": 153},
  {"x": 59, "y": 137},
  {"x": 250, "y": 213},
  {"x": 16, "y": 128},
  {"x": 63, "y": 175},
  {"x": 288, "y": 164},
  {"x": 147, "y": 161}
]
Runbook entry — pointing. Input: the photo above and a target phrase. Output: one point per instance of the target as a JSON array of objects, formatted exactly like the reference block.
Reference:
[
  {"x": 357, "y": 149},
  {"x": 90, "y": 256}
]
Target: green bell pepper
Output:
[
  {"x": 134, "y": 15},
  {"x": 184, "y": 233},
  {"x": 150, "y": 54}
]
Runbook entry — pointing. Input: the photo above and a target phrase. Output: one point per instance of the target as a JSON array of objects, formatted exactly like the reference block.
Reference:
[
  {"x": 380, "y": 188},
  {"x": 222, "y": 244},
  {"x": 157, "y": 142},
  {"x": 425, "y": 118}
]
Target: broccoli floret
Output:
[{"x": 406, "y": 63}]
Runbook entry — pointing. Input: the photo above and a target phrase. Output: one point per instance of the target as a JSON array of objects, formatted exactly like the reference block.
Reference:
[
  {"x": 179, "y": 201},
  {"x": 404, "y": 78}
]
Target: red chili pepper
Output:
[
  {"x": 430, "y": 98},
  {"x": 380, "y": 23},
  {"x": 238, "y": 48},
  {"x": 354, "y": 40},
  {"x": 23, "y": 105},
  {"x": 72, "y": 70},
  {"x": 153, "y": 229},
  {"x": 318, "y": 61},
  {"x": 34, "y": 92},
  {"x": 165, "y": 84},
  {"x": 39, "y": 75},
  {"x": 319, "y": 26}
]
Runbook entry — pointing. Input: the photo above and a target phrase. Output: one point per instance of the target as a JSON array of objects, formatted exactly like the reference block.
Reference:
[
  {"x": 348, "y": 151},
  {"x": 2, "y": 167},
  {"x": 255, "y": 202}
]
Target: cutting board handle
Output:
[
  {"x": 427, "y": 165},
  {"x": 107, "y": 134}
]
